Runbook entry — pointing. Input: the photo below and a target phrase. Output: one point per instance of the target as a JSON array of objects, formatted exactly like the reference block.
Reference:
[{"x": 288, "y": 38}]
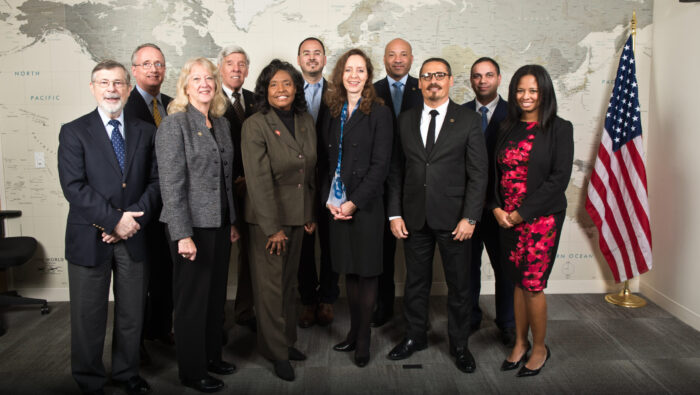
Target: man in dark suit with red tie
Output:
[
  {"x": 437, "y": 185},
  {"x": 318, "y": 290},
  {"x": 400, "y": 92},
  {"x": 485, "y": 79},
  {"x": 148, "y": 104},
  {"x": 233, "y": 66},
  {"x": 108, "y": 173}
]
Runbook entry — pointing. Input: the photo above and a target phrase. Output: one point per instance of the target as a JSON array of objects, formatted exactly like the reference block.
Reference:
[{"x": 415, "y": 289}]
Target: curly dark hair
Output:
[
  {"x": 336, "y": 95},
  {"x": 548, "y": 99},
  {"x": 263, "y": 82}
]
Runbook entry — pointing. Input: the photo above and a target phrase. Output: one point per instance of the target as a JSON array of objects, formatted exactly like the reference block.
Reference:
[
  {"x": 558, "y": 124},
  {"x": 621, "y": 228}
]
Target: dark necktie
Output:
[
  {"x": 484, "y": 118},
  {"x": 430, "y": 140},
  {"x": 118, "y": 143},
  {"x": 237, "y": 107},
  {"x": 397, "y": 97}
]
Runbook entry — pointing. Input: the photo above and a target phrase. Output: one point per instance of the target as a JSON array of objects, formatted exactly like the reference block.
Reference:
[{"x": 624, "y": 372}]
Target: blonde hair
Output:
[{"x": 179, "y": 104}]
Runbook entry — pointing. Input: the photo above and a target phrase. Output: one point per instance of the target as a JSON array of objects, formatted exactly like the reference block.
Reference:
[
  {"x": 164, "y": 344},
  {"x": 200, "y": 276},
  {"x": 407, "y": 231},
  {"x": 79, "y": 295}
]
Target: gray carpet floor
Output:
[{"x": 597, "y": 348}]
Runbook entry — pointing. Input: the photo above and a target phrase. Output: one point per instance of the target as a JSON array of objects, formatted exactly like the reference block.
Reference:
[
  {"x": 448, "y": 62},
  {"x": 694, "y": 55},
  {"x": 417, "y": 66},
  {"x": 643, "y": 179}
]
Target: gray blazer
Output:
[{"x": 189, "y": 163}]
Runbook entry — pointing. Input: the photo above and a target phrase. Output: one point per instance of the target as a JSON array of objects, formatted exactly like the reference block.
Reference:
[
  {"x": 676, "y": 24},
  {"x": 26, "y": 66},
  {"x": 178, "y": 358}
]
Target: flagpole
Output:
[{"x": 625, "y": 297}]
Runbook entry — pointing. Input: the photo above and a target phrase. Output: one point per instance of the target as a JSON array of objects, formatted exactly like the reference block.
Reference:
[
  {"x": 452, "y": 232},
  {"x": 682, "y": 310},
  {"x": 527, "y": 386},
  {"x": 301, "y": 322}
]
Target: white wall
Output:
[{"x": 672, "y": 161}]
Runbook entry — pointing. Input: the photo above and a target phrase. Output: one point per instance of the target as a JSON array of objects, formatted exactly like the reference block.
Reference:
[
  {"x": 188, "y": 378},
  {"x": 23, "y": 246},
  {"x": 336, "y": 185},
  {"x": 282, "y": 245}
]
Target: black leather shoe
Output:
[
  {"x": 465, "y": 360},
  {"x": 405, "y": 349},
  {"x": 284, "y": 370},
  {"x": 361, "y": 360},
  {"x": 207, "y": 384},
  {"x": 221, "y": 367},
  {"x": 381, "y": 316},
  {"x": 508, "y": 337},
  {"x": 296, "y": 355},
  {"x": 508, "y": 365},
  {"x": 525, "y": 372},
  {"x": 136, "y": 386},
  {"x": 344, "y": 346},
  {"x": 95, "y": 392}
]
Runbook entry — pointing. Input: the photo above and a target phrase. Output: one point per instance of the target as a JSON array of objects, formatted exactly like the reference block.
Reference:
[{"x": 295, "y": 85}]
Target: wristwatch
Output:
[{"x": 471, "y": 221}]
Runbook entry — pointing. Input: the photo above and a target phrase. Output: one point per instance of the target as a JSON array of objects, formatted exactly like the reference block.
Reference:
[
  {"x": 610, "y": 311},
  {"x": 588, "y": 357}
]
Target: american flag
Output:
[{"x": 617, "y": 193}]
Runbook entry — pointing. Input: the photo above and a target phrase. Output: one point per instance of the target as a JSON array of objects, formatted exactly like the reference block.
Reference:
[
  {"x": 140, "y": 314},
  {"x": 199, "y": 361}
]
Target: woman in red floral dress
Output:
[{"x": 534, "y": 156}]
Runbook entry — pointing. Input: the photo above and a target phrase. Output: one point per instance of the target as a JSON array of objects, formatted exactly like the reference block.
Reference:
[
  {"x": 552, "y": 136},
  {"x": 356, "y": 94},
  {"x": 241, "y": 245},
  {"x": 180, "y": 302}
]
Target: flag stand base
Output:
[{"x": 625, "y": 298}]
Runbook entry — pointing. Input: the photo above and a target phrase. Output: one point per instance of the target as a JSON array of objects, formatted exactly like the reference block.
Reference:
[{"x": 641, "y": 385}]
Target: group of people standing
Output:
[{"x": 359, "y": 164}]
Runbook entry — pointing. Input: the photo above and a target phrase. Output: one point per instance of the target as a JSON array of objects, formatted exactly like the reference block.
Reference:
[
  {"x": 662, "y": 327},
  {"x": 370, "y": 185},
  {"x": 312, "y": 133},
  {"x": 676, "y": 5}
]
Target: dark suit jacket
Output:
[
  {"x": 236, "y": 126},
  {"x": 281, "y": 171},
  {"x": 446, "y": 186},
  {"x": 491, "y": 135},
  {"x": 367, "y": 140},
  {"x": 137, "y": 107},
  {"x": 98, "y": 192},
  {"x": 548, "y": 170},
  {"x": 412, "y": 96},
  {"x": 191, "y": 163}
]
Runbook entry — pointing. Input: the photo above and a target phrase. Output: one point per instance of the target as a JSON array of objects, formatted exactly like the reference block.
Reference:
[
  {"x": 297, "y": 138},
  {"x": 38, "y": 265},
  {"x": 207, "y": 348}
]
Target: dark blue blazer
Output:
[
  {"x": 137, "y": 107},
  {"x": 98, "y": 192},
  {"x": 491, "y": 136},
  {"x": 236, "y": 125},
  {"x": 412, "y": 96}
]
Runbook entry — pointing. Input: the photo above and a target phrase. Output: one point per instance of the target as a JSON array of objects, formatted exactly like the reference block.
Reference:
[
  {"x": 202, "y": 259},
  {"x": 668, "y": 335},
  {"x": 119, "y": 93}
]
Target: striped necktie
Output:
[
  {"x": 237, "y": 107},
  {"x": 156, "y": 113}
]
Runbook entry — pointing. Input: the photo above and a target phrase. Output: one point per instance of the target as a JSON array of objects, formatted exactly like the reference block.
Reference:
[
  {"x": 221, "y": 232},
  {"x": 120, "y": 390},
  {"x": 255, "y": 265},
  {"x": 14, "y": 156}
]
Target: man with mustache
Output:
[
  {"x": 318, "y": 291},
  {"x": 437, "y": 185},
  {"x": 147, "y": 103},
  {"x": 108, "y": 173},
  {"x": 400, "y": 92},
  {"x": 233, "y": 65}
]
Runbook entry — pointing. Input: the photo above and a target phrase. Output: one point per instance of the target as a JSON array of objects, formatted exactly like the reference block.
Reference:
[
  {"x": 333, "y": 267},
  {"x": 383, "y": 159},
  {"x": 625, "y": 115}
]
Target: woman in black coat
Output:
[
  {"x": 533, "y": 161},
  {"x": 355, "y": 155}
]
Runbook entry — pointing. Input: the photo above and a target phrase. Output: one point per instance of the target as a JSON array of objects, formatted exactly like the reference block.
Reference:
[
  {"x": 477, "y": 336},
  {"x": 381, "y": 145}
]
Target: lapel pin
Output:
[
  {"x": 199, "y": 133},
  {"x": 452, "y": 120},
  {"x": 277, "y": 132}
]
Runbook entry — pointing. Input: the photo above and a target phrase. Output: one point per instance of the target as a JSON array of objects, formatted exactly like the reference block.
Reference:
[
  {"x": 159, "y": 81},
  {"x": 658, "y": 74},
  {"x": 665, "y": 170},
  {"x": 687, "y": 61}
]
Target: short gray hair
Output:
[
  {"x": 110, "y": 64},
  {"x": 142, "y": 46},
  {"x": 232, "y": 49}
]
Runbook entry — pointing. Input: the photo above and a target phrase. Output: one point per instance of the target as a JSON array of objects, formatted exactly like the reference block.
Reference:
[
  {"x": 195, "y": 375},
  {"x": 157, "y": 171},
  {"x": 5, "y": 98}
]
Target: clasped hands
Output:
[
  {"x": 125, "y": 228},
  {"x": 505, "y": 219},
  {"x": 344, "y": 212}
]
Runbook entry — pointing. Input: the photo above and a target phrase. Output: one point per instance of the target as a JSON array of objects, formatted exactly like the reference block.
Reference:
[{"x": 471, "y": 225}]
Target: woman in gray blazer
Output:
[
  {"x": 279, "y": 157},
  {"x": 195, "y": 156}
]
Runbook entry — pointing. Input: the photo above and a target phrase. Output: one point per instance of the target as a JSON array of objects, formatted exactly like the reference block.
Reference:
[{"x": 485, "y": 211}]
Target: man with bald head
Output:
[{"x": 400, "y": 92}]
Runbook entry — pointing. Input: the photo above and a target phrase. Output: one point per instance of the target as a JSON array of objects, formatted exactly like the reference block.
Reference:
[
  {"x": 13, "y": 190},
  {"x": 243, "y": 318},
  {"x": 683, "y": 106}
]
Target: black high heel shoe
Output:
[
  {"x": 361, "y": 360},
  {"x": 344, "y": 346},
  {"x": 525, "y": 372},
  {"x": 508, "y": 365}
]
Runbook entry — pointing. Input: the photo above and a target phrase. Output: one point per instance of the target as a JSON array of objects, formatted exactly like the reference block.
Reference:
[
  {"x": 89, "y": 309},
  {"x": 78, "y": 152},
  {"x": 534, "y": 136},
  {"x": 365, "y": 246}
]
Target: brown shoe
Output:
[
  {"x": 308, "y": 316},
  {"x": 324, "y": 315}
]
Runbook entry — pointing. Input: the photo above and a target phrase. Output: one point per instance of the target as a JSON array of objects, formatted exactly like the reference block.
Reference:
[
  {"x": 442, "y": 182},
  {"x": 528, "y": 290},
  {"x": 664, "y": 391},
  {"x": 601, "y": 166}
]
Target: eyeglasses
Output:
[
  {"x": 439, "y": 76},
  {"x": 118, "y": 84},
  {"x": 149, "y": 65}
]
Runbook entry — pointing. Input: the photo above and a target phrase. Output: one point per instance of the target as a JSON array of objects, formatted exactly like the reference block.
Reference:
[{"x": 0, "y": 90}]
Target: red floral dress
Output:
[{"x": 533, "y": 246}]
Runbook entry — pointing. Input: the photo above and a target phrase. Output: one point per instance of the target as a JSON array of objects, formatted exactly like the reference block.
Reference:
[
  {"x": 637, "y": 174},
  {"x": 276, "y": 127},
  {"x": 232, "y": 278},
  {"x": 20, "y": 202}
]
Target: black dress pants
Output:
[
  {"x": 199, "y": 293},
  {"x": 317, "y": 287},
  {"x": 420, "y": 249}
]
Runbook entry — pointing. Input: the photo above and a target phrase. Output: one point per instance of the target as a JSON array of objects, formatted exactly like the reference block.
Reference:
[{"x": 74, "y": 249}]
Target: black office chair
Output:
[{"x": 15, "y": 251}]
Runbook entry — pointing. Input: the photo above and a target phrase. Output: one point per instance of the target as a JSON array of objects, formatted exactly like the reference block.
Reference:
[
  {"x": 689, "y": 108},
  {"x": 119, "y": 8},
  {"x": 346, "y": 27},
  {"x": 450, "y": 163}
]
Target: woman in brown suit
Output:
[{"x": 279, "y": 155}]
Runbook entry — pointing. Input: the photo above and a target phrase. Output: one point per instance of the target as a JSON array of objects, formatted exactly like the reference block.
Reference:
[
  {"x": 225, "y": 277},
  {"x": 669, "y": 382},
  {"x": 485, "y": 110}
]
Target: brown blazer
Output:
[{"x": 280, "y": 171}]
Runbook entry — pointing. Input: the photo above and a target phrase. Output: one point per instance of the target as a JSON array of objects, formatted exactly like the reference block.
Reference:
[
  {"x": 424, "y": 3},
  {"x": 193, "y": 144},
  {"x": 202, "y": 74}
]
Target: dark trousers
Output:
[
  {"x": 420, "y": 249},
  {"x": 199, "y": 292},
  {"x": 387, "y": 289},
  {"x": 243, "y": 305},
  {"x": 317, "y": 287},
  {"x": 275, "y": 286},
  {"x": 89, "y": 295},
  {"x": 486, "y": 234},
  {"x": 158, "y": 316}
]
